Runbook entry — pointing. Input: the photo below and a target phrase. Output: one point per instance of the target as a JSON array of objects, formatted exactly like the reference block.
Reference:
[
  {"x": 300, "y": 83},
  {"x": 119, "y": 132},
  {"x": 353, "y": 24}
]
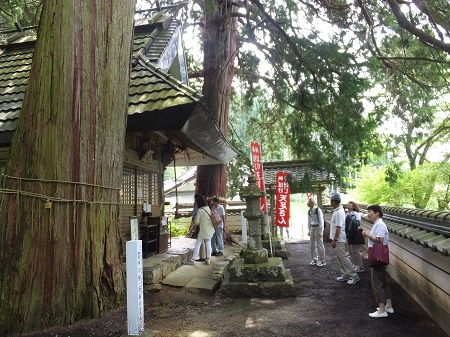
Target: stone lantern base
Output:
[
  {"x": 267, "y": 280},
  {"x": 254, "y": 256},
  {"x": 278, "y": 246}
]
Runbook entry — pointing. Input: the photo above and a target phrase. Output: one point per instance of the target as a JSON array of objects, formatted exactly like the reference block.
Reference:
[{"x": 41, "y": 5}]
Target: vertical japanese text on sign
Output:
[
  {"x": 257, "y": 167},
  {"x": 283, "y": 204}
]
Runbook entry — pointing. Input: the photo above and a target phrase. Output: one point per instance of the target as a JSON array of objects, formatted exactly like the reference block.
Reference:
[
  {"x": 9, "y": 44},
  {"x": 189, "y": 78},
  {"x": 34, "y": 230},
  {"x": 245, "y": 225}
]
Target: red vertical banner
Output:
[
  {"x": 257, "y": 167},
  {"x": 283, "y": 200}
]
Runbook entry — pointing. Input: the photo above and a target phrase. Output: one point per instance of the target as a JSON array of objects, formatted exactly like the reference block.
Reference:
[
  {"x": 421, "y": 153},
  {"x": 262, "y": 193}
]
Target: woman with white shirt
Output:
[
  {"x": 203, "y": 219},
  {"x": 381, "y": 290}
]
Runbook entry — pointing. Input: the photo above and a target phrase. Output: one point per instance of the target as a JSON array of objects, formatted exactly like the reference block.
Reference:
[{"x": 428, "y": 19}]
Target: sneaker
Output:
[
  {"x": 358, "y": 269},
  {"x": 320, "y": 264},
  {"x": 219, "y": 254},
  {"x": 213, "y": 254},
  {"x": 353, "y": 280},
  {"x": 378, "y": 315},
  {"x": 207, "y": 261},
  {"x": 388, "y": 310},
  {"x": 342, "y": 279},
  {"x": 313, "y": 263}
]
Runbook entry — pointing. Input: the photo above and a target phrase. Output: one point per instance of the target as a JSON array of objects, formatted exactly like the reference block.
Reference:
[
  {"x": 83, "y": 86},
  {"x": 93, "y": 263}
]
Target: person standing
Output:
[
  {"x": 315, "y": 233},
  {"x": 380, "y": 288},
  {"x": 352, "y": 224},
  {"x": 203, "y": 219},
  {"x": 339, "y": 240},
  {"x": 217, "y": 238}
]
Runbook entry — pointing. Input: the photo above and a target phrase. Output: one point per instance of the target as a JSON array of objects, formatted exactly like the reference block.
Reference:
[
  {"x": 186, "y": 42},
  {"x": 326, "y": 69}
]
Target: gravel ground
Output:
[{"x": 322, "y": 307}]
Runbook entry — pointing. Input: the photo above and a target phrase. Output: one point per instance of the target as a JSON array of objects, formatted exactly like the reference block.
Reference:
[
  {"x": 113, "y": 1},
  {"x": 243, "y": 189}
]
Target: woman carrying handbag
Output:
[
  {"x": 206, "y": 230},
  {"x": 379, "y": 234}
]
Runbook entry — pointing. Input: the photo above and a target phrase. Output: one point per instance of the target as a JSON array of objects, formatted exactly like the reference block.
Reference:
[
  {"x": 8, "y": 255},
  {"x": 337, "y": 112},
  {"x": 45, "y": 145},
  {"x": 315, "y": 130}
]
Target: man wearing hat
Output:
[{"x": 337, "y": 234}]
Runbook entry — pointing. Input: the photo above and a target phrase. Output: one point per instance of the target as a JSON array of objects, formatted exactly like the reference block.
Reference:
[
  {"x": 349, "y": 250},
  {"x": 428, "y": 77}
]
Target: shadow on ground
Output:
[{"x": 322, "y": 307}]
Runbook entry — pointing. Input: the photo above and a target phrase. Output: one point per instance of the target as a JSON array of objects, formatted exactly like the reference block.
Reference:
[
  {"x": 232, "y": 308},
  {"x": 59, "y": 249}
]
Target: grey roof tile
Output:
[
  {"x": 150, "y": 88},
  {"x": 297, "y": 169},
  {"x": 157, "y": 100}
]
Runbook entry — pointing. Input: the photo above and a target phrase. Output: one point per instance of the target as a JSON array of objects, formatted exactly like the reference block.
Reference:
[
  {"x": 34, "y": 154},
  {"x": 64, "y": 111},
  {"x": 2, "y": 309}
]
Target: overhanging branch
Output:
[{"x": 406, "y": 24}]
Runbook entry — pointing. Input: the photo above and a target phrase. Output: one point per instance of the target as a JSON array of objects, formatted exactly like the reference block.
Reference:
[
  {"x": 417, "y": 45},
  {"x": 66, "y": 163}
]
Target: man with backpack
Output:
[
  {"x": 315, "y": 232},
  {"x": 339, "y": 241}
]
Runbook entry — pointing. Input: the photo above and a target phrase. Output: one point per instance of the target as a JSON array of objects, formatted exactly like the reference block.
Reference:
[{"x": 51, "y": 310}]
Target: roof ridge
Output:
[{"x": 172, "y": 81}]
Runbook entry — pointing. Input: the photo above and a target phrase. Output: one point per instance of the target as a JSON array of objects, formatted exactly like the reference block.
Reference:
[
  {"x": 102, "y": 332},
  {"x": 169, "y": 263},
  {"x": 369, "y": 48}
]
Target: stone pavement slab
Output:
[
  {"x": 178, "y": 278},
  {"x": 200, "y": 277},
  {"x": 204, "y": 285}
]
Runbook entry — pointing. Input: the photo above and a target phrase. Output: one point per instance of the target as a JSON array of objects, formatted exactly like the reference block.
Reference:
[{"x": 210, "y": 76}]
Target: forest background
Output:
[
  {"x": 363, "y": 94},
  {"x": 360, "y": 89}
]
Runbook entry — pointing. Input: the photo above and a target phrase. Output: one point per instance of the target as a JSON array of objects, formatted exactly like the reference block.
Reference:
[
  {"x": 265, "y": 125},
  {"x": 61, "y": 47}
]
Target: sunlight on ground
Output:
[
  {"x": 252, "y": 322},
  {"x": 200, "y": 333},
  {"x": 264, "y": 301}
]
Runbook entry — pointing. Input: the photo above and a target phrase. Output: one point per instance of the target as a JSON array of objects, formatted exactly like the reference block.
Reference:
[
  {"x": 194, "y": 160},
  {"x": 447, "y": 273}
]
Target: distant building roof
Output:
[{"x": 181, "y": 181}]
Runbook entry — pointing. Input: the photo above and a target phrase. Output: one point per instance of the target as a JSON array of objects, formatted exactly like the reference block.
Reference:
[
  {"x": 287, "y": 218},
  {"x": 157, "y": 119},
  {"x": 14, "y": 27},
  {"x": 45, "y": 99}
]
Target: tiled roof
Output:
[
  {"x": 297, "y": 169},
  {"x": 15, "y": 65},
  {"x": 157, "y": 100},
  {"x": 425, "y": 227},
  {"x": 152, "y": 89}
]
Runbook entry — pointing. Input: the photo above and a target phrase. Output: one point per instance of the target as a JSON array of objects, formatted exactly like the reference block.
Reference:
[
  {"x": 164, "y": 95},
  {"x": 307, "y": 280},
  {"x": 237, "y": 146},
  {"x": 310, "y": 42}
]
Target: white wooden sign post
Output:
[{"x": 135, "y": 288}]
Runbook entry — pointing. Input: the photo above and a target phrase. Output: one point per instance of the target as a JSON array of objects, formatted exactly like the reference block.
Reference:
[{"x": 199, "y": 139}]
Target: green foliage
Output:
[
  {"x": 301, "y": 86},
  {"x": 417, "y": 185},
  {"x": 372, "y": 188},
  {"x": 392, "y": 173},
  {"x": 303, "y": 186},
  {"x": 236, "y": 169},
  {"x": 25, "y": 12},
  {"x": 177, "y": 228},
  {"x": 441, "y": 194},
  {"x": 425, "y": 187}
]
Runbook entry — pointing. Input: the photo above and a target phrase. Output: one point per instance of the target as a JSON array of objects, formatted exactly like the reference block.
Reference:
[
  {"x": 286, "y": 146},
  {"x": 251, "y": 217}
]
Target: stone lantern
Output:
[
  {"x": 256, "y": 275},
  {"x": 252, "y": 194}
]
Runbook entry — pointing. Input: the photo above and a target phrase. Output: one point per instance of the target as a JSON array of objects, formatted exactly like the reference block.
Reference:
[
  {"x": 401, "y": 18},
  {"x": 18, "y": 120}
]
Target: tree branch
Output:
[
  {"x": 425, "y": 59},
  {"x": 403, "y": 22},
  {"x": 433, "y": 15}
]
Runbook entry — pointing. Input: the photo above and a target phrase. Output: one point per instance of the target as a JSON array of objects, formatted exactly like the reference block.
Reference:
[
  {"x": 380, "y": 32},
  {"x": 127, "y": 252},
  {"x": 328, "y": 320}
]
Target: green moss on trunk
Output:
[{"x": 64, "y": 263}]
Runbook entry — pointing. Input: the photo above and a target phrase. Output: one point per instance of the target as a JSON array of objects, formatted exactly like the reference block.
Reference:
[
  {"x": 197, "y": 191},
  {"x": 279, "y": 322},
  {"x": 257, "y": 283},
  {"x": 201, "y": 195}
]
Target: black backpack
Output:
[{"x": 351, "y": 227}]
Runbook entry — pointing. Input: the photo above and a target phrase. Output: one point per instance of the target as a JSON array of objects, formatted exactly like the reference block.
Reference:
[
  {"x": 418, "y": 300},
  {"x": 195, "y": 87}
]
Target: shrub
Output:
[{"x": 177, "y": 228}]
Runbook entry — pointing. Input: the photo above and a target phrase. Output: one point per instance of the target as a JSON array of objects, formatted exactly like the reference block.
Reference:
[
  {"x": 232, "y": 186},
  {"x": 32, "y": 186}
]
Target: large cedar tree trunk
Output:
[
  {"x": 63, "y": 263},
  {"x": 220, "y": 45}
]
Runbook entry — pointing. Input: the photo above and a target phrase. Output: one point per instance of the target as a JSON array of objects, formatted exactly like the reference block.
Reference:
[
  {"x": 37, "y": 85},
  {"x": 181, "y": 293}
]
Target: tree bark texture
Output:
[
  {"x": 64, "y": 263},
  {"x": 220, "y": 47}
]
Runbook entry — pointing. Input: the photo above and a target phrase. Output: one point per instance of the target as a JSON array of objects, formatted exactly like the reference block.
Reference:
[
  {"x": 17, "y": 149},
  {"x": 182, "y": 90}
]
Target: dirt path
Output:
[{"x": 323, "y": 307}]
